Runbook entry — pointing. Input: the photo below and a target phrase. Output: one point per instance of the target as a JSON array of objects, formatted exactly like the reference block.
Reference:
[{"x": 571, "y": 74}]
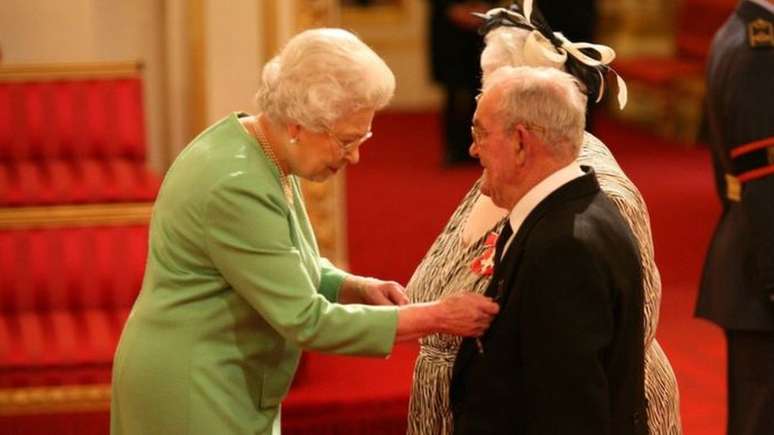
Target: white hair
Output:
[
  {"x": 546, "y": 99},
  {"x": 322, "y": 75},
  {"x": 505, "y": 47}
]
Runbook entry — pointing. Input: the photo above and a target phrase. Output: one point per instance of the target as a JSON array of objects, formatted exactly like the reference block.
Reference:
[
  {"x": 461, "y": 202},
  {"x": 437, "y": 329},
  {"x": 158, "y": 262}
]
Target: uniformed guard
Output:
[{"x": 737, "y": 288}]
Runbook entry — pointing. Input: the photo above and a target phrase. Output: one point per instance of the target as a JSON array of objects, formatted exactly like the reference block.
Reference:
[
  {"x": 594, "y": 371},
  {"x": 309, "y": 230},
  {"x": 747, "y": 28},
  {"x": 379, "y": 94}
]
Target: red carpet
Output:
[{"x": 399, "y": 198}]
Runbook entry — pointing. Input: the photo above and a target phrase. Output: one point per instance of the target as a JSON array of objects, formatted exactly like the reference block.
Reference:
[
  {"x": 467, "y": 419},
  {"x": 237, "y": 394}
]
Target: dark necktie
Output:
[{"x": 502, "y": 239}]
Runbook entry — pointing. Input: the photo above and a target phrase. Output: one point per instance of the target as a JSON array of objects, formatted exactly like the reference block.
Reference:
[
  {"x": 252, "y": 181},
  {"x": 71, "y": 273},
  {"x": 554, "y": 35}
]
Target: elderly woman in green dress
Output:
[
  {"x": 234, "y": 286},
  {"x": 459, "y": 256}
]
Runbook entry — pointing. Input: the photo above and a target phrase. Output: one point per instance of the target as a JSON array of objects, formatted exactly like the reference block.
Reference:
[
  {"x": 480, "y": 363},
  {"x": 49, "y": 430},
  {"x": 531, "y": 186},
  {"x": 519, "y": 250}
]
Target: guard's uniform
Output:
[{"x": 737, "y": 288}]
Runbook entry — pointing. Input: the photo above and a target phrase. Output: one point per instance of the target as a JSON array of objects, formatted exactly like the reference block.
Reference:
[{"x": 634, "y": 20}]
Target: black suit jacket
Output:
[
  {"x": 565, "y": 355},
  {"x": 737, "y": 288}
]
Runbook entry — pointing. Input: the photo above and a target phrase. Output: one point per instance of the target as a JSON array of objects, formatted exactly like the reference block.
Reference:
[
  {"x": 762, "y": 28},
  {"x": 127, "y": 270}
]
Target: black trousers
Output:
[
  {"x": 460, "y": 105},
  {"x": 750, "y": 382}
]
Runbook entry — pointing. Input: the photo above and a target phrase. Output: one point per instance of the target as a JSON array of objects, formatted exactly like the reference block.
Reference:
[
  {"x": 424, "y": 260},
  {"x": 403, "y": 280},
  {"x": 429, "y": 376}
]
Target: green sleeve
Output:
[
  {"x": 249, "y": 241},
  {"x": 331, "y": 279}
]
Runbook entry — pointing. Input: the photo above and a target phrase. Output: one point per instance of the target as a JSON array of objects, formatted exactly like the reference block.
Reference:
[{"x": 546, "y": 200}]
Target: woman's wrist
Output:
[
  {"x": 418, "y": 320},
  {"x": 353, "y": 289},
  {"x": 466, "y": 315}
]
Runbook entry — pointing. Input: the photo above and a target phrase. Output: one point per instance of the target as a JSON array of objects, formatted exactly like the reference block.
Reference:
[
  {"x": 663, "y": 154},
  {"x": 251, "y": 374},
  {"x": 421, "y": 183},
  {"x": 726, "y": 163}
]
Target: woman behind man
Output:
[
  {"x": 459, "y": 256},
  {"x": 234, "y": 286}
]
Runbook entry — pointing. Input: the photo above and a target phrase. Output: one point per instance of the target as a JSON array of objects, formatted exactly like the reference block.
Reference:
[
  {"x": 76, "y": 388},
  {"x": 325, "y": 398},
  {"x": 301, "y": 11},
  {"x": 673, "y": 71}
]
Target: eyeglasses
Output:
[
  {"x": 478, "y": 134},
  {"x": 351, "y": 145}
]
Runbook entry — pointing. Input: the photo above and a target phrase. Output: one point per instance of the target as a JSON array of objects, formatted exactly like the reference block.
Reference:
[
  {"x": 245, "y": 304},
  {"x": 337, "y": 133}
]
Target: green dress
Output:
[{"x": 234, "y": 288}]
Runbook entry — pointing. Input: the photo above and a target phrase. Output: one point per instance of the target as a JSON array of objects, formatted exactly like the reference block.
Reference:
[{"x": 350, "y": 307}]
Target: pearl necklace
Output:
[{"x": 267, "y": 149}]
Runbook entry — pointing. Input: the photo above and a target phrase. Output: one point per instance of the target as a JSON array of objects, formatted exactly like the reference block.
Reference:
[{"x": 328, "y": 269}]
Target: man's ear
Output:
[{"x": 521, "y": 144}]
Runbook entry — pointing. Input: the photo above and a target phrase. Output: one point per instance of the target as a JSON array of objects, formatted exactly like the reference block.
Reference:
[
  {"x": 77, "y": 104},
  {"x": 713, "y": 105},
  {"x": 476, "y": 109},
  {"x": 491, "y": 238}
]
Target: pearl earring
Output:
[{"x": 293, "y": 141}]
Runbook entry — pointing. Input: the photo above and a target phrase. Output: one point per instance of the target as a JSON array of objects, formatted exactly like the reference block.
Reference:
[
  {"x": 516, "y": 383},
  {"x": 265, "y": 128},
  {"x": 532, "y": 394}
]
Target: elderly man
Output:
[{"x": 565, "y": 354}]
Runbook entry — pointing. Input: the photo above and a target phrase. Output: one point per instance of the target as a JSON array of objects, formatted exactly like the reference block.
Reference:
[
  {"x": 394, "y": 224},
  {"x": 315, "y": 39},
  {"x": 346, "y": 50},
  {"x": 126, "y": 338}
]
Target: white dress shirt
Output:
[{"x": 485, "y": 214}]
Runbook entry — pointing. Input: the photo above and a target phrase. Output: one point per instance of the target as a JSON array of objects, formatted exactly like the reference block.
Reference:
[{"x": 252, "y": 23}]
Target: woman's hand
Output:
[
  {"x": 464, "y": 314},
  {"x": 378, "y": 292},
  {"x": 372, "y": 291}
]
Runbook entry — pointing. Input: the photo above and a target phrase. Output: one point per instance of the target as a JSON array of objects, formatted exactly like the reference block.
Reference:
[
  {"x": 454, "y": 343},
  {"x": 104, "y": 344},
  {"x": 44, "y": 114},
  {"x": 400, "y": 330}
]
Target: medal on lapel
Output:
[{"x": 484, "y": 263}]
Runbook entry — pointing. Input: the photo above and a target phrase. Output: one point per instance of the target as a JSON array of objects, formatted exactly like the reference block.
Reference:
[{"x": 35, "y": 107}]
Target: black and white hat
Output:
[{"x": 589, "y": 63}]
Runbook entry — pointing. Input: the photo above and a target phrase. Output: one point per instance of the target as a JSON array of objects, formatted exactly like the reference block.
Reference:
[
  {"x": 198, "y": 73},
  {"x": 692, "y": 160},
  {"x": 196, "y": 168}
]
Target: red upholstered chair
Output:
[
  {"x": 36, "y": 182},
  {"x": 73, "y": 138},
  {"x": 695, "y": 26},
  {"x": 64, "y": 296},
  {"x": 75, "y": 200},
  {"x": 679, "y": 77}
]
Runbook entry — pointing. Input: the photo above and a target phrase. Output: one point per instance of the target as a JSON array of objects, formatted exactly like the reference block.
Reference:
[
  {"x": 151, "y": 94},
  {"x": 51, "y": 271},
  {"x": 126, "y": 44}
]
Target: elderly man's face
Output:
[{"x": 493, "y": 146}]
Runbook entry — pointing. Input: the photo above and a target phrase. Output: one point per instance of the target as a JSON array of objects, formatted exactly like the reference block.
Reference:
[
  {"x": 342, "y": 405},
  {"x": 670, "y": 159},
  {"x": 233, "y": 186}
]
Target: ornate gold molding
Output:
[
  {"x": 75, "y": 215},
  {"x": 197, "y": 57},
  {"x": 326, "y": 205},
  {"x": 315, "y": 13},
  {"x": 56, "y": 71},
  {"x": 634, "y": 27},
  {"x": 392, "y": 14},
  {"x": 65, "y": 398},
  {"x": 268, "y": 32}
]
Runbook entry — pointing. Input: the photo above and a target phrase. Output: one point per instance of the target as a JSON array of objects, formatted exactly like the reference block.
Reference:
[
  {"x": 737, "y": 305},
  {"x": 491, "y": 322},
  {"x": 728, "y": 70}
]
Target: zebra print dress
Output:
[{"x": 445, "y": 269}]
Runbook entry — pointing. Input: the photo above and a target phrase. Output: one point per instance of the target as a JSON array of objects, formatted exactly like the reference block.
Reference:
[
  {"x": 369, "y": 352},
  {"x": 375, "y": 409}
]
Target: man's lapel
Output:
[{"x": 497, "y": 290}]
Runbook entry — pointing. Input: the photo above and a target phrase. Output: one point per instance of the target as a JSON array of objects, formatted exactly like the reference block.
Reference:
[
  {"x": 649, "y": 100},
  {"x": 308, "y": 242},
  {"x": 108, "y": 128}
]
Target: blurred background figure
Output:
[
  {"x": 737, "y": 288},
  {"x": 577, "y": 19},
  {"x": 455, "y": 46},
  {"x": 98, "y": 98}
]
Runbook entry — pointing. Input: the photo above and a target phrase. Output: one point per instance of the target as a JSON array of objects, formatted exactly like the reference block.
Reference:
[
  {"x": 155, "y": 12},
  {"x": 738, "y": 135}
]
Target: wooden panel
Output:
[
  {"x": 59, "y": 71},
  {"x": 75, "y": 215},
  {"x": 66, "y": 398}
]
